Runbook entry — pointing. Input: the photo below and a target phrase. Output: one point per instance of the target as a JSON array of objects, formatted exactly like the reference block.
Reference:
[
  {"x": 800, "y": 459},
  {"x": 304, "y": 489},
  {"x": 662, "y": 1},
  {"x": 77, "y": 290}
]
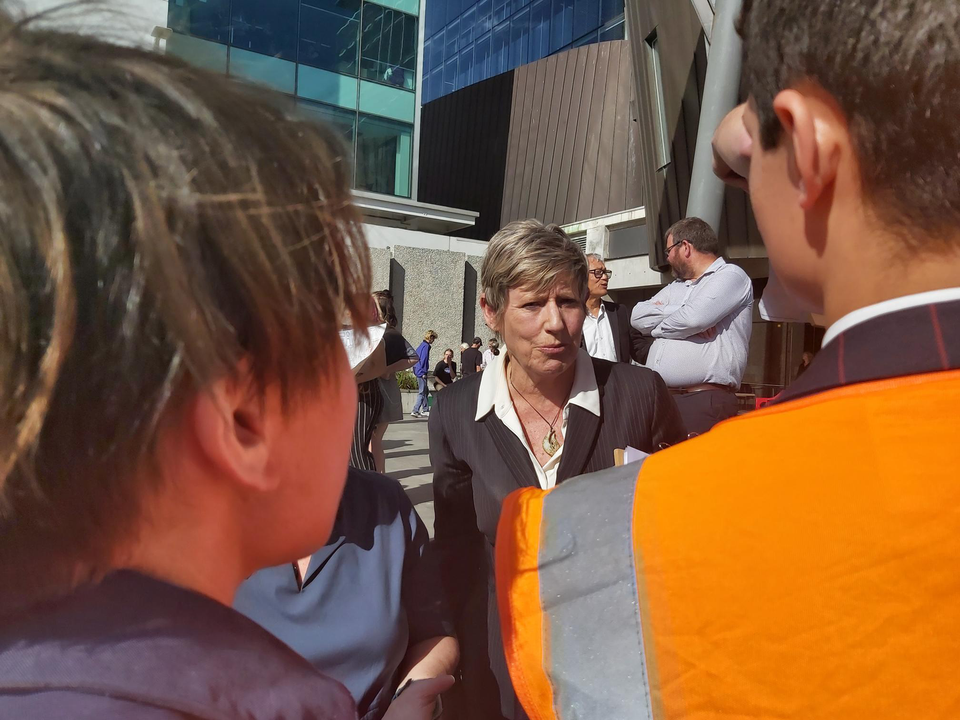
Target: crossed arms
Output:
[{"x": 715, "y": 297}]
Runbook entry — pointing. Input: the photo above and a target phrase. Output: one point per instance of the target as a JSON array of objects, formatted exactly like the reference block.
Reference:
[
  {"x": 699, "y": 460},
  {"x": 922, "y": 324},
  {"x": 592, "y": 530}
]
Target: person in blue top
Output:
[
  {"x": 367, "y": 608},
  {"x": 420, "y": 408}
]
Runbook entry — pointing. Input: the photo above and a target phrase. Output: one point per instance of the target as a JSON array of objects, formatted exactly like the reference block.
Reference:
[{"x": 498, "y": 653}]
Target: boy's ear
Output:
[{"x": 812, "y": 131}]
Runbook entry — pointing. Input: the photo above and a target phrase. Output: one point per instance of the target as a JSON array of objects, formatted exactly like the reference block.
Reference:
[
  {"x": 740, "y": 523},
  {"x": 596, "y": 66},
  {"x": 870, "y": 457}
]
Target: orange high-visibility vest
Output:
[{"x": 797, "y": 563}]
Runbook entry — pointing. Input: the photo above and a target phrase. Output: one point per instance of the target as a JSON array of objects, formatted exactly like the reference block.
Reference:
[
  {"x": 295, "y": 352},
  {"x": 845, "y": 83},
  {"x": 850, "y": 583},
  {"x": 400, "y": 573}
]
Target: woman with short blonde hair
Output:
[{"x": 542, "y": 412}]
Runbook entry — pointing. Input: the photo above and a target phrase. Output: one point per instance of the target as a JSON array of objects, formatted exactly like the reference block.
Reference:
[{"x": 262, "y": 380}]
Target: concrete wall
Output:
[
  {"x": 474, "y": 324},
  {"x": 432, "y": 295},
  {"x": 434, "y": 280},
  {"x": 380, "y": 265}
]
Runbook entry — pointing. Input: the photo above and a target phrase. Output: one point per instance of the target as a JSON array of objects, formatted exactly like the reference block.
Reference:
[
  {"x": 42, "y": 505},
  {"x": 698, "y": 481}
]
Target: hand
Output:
[
  {"x": 709, "y": 333},
  {"x": 732, "y": 146},
  {"x": 418, "y": 701}
]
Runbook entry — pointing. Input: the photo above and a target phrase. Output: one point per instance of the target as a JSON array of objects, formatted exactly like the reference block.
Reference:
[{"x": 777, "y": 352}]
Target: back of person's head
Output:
[
  {"x": 528, "y": 254},
  {"x": 695, "y": 231},
  {"x": 385, "y": 307},
  {"x": 162, "y": 227},
  {"x": 893, "y": 68},
  {"x": 477, "y": 342}
]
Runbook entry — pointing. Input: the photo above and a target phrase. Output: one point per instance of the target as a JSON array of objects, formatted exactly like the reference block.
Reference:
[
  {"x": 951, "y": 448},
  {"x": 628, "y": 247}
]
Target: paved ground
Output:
[{"x": 405, "y": 446}]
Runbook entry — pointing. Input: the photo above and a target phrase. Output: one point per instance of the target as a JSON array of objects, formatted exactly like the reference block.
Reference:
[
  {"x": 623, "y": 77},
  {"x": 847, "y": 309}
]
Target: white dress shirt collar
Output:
[
  {"x": 495, "y": 392},
  {"x": 861, "y": 315},
  {"x": 495, "y": 395}
]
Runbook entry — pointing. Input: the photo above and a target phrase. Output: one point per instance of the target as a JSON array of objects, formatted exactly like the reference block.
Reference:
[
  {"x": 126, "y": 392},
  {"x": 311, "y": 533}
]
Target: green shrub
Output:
[{"x": 407, "y": 380}]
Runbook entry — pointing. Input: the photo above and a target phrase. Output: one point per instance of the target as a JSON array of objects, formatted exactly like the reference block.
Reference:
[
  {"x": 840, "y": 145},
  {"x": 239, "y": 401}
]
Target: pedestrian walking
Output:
[{"x": 420, "y": 370}]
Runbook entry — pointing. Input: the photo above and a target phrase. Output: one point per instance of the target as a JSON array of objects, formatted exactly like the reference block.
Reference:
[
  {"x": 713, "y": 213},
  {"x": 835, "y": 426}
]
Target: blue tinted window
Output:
[
  {"x": 610, "y": 9},
  {"x": 433, "y": 84},
  {"x": 329, "y": 34},
  {"x": 519, "y": 39},
  {"x": 384, "y": 155},
  {"x": 263, "y": 69},
  {"x": 449, "y": 76},
  {"x": 501, "y": 8},
  {"x": 484, "y": 16},
  {"x": 453, "y": 9},
  {"x": 586, "y": 39},
  {"x": 436, "y": 17},
  {"x": 388, "y": 46},
  {"x": 539, "y": 30},
  {"x": 481, "y": 59},
  {"x": 452, "y": 44},
  {"x": 586, "y": 16},
  {"x": 266, "y": 28},
  {"x": 612, "y": 33},
  {"x": 434, "y": 58},
  {"x": 343, "y": 121},
  {"x": 499, "y": 47},
  {"x": 209, "y": 19},
  {"x": 561, "y": 30},
  {"x": 467, "y": 26},
  {"x": 465, "y": 70}
]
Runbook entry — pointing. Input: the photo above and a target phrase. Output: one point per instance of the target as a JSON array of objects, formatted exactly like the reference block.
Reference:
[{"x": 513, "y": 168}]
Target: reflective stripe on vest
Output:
[
  {"x": 798, "y": 563},
  {"x": 584, "y": 560}
]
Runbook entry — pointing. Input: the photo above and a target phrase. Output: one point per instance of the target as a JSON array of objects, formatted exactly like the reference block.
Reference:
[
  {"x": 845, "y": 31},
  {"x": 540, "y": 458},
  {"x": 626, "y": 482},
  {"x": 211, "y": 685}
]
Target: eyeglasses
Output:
[
  {"x": 671, "y": 247},
  {"x": 598, "y": 274}
]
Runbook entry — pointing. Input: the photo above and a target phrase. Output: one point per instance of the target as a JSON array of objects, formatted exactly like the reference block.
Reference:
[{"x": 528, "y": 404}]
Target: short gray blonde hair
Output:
[{"x": 531, "y": 255}]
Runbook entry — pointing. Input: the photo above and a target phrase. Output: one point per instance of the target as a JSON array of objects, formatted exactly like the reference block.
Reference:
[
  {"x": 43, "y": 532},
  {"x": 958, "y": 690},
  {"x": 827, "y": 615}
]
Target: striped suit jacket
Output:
[{"x": 477, "y": 464}]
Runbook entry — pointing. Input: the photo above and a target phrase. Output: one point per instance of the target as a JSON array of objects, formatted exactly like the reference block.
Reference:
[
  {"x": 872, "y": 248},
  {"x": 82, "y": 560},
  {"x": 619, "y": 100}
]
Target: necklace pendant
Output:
[{"x": 550, "y": 444}]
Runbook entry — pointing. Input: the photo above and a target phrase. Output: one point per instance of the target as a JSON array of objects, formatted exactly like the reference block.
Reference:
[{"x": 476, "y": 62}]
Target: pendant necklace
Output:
[{"x": 550, "y": 443}]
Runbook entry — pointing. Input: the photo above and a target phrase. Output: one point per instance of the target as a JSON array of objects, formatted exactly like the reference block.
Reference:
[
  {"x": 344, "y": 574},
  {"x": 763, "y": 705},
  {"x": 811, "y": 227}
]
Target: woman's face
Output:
[
  {"x": 448, "y": 356},
  {"x": 543, "y": 329}
]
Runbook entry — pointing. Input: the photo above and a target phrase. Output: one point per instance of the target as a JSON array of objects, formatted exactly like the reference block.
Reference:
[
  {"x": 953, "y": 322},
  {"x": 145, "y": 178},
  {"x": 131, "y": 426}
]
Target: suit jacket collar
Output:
[{"x": 913, "y": 341}]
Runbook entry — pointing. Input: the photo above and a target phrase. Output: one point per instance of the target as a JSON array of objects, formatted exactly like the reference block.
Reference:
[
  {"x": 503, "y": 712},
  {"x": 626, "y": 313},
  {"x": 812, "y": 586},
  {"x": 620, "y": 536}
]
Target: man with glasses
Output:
[
  {"x": 607, "y": 333},
  {"x": 701, "y": 325}
]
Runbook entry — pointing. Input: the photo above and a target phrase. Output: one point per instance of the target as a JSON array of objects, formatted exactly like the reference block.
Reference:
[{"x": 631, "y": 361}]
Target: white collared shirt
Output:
[
  {"x": 861, "y": 315},
  {"x": 598, "y": 336},
  {"x": 701, "y": 327},
  {"x": 495, "y": 396}
]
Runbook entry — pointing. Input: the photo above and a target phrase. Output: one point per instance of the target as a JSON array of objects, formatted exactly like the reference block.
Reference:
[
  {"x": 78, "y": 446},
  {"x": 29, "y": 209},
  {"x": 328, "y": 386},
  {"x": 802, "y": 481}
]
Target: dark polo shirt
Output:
[
  {"x": 136, "y": 647},
  {"x": 368, "y": 595}
]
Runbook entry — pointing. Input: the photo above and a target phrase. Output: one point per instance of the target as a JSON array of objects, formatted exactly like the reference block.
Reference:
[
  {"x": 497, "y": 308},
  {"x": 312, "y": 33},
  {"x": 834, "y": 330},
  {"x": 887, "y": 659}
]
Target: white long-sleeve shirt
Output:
[{"x": 701, "y": 327}]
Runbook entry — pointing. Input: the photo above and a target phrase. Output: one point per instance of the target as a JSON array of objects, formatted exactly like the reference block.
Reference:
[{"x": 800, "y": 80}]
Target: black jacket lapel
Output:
[
  {"x": 578, "y": 443},
  {"x": 514, "y": 454},
  {"x": 614, "y": 316}
]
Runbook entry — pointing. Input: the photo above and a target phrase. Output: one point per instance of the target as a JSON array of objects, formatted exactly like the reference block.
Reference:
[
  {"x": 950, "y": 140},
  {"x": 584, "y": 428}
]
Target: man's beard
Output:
[{"x": 680, "y": 272}]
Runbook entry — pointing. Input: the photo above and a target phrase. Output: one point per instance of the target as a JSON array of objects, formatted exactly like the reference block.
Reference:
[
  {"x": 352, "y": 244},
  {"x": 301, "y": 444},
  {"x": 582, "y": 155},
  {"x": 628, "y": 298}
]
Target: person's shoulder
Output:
[
  {"x": 369, "y": 492},
  {"x": 65, "y": 643},
  {"x": 730, "y": 268}
]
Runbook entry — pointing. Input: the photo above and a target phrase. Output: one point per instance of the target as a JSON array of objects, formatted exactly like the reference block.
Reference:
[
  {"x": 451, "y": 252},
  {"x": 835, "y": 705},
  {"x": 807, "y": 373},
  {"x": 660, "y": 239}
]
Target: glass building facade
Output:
[
  {"x": 471, "y": 40},
  {"x": 352, "y": 63}
]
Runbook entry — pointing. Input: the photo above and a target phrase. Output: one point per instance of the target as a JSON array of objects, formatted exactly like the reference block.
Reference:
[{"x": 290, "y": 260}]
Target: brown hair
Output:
[
  {"x": 385, "y": 309},
  {"x": 529, "y": 254},
  {"x": 893, "y": 67},
  {"x": 696, "y": 232},
  {"x": 160, "y": 224}
]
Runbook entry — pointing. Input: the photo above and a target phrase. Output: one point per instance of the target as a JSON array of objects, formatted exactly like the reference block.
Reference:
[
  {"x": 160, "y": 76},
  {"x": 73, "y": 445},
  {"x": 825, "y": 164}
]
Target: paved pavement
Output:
[{"x": 407, "y": 460}]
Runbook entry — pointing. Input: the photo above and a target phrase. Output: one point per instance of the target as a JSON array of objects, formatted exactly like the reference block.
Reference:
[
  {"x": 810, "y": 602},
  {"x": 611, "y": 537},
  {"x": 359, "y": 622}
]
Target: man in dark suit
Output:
[
  {"x": 543, "y": 412},
  {"x": 607, "y": 333}
]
